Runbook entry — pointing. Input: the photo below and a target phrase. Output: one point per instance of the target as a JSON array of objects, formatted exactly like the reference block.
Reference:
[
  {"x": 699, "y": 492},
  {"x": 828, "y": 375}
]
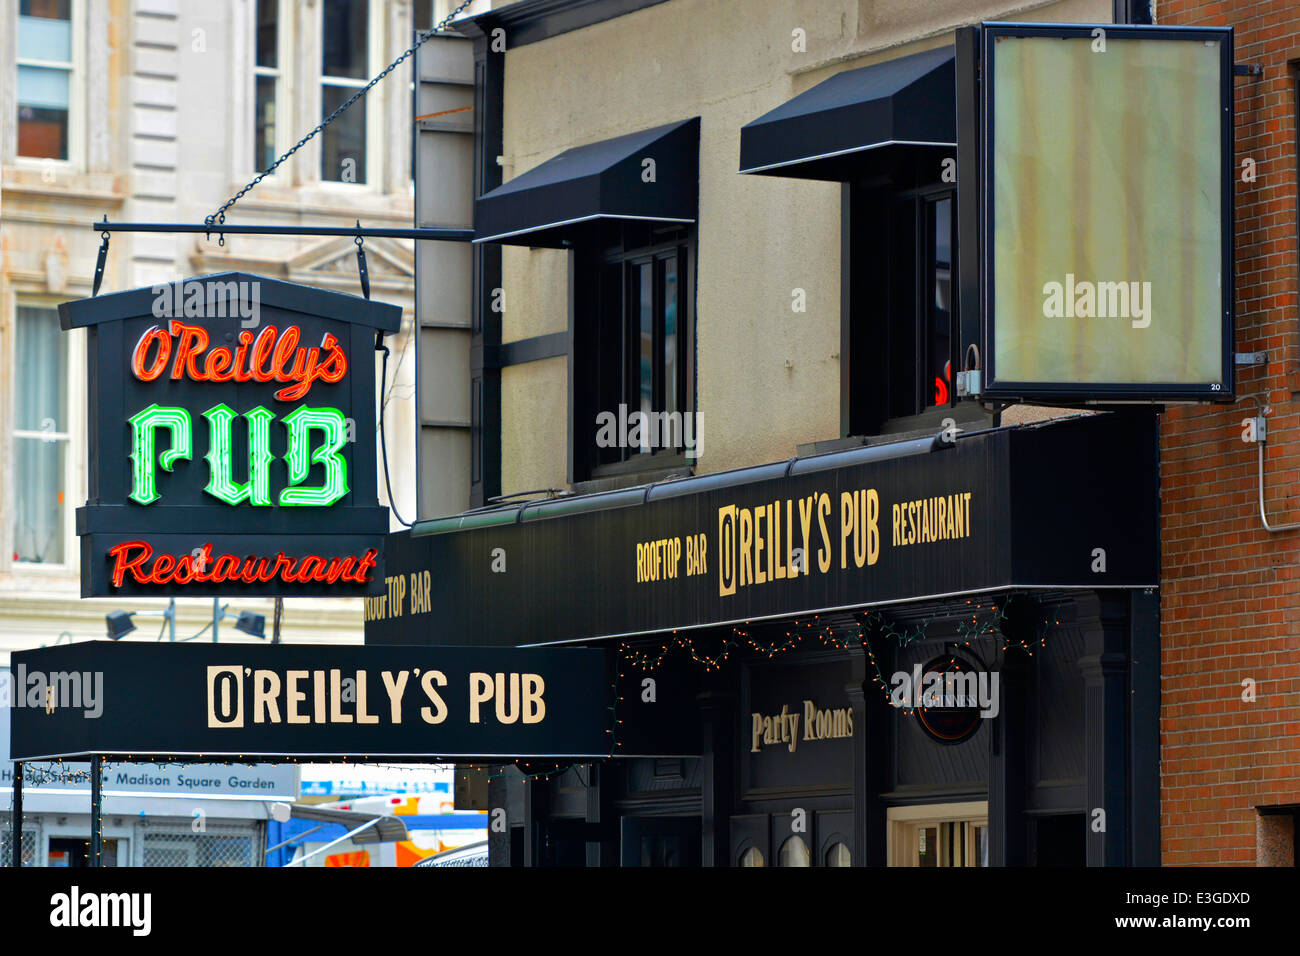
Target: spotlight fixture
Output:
[
  {"x": 119, "y": 624},
  {"x": 252, "y": 624}
]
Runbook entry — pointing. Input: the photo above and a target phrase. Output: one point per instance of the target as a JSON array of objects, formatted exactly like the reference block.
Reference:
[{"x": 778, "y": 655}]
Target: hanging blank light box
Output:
[{"x": 1106, "y": 218}]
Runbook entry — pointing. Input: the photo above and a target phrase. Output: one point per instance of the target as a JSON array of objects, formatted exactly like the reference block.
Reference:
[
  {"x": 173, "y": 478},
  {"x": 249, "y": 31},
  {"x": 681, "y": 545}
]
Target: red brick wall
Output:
[{"x": 1230, "y": 591}]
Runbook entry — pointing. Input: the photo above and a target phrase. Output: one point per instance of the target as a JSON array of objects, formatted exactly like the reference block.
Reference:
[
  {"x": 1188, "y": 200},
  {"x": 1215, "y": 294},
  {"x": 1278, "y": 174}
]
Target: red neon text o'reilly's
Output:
[{"x": 270, "y": 356}]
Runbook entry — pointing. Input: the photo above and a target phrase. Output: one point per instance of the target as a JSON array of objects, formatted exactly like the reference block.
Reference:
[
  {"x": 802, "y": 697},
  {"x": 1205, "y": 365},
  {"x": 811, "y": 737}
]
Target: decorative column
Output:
[
  {"x": 718, "y": 719},
  {"x": 1105, "y": 677},
  {"x": 601, "y": 815},
  {"x": 1144, "y": 729},
  {"x": 1008, "y": 830},
  {"x": 873, "y": 755},
  {"x": 537, "y": 807}
]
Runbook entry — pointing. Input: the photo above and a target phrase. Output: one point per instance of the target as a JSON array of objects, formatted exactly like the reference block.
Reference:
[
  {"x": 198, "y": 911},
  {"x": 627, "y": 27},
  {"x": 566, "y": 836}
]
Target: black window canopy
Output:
[
  {"x": 823, "y": 132},
  {"x": 651, "y": 175}
]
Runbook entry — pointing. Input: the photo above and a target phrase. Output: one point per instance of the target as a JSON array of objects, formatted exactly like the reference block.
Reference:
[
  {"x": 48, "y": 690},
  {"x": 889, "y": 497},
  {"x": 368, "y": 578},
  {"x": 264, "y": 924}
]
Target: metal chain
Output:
[{"x": 219, "y": 217}]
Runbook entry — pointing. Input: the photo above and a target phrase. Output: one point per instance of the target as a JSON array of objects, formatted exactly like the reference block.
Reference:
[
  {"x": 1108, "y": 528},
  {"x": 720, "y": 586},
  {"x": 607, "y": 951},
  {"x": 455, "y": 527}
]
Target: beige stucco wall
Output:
[{"x": 768, "y": 378}]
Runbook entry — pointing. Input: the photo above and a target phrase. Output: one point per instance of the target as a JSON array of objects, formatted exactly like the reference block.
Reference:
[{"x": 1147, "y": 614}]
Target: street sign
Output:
[{"x": 232, "y": 440}]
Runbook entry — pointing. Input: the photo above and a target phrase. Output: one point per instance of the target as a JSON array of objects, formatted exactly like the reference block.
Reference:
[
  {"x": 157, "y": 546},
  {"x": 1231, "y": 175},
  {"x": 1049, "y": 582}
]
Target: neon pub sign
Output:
[{"x": 233, "y": 447}]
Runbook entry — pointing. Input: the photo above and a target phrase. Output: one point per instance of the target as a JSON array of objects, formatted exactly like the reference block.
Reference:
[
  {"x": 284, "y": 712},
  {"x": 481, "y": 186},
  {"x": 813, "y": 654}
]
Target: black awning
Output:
[
  {"x": 908, "y": 102},
  {"x": 556, "y": 202},
  {"x": 1014, "y": 507}
]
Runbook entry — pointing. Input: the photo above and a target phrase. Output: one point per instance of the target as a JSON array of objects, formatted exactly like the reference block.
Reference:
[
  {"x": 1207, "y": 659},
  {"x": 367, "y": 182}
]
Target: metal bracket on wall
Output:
[
  {"x": 1249, "y": 358},
  {"x": 1247, "y": 69}
]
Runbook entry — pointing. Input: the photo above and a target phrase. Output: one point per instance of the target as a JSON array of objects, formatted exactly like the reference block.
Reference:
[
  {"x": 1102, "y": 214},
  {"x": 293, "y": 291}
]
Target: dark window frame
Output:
[
  {"x": 594, "y": 349},
  {"x": 336, "y": 88},
  {"x": 888, "y": 259},
  {"x": 38, "y": 122},
  {"x": 266, "y": 20}
]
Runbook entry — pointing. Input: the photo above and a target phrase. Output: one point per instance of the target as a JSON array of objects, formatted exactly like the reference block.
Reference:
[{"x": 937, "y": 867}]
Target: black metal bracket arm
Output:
[
  {"x": 1247, "y": 69},
  {"x": 99, "y": 262},
  {"x": 361, "y": 263},
  {"x": 435, "y": 235},
  {"x": 104, "y": 227}
]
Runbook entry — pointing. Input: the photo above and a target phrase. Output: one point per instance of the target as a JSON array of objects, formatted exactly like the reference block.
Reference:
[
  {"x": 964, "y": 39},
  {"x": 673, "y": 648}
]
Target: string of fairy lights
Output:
[
  {"x": 977, "y": 621},
  {"x": 980, "y": 620}
]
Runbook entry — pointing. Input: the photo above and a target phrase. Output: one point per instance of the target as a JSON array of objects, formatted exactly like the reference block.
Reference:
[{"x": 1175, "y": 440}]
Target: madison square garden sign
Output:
[{"x": 232, "y": 440}]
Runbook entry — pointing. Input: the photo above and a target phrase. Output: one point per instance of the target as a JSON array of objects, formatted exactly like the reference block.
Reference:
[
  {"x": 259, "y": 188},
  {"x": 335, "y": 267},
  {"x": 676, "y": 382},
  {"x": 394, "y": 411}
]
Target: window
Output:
[
  {"x": 76, "y": 853},
  {"x": 939, "y": 835},
  {"x": 839, "y": 855},
  {"x": 950, "y": 843},
  {"x": 345, "y": 68},
  {"x": 752, "y": 857},
  {"x": 898, "y": 311},
  {"x": 41, "y": 437},
  {"x": 267, "y": 95},
  {"x": 1277, "y": 836},
  {"x": 794, "y": 852},
  {"x": 45, "y": 78},
  {"x": 633, "y": 342},
  {"x": 937, "y": 265}
]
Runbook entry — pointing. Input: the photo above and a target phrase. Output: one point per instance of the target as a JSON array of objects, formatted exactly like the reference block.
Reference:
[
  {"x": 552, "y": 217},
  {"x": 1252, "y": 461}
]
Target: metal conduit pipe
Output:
[{"x": 1263, "y": 514}]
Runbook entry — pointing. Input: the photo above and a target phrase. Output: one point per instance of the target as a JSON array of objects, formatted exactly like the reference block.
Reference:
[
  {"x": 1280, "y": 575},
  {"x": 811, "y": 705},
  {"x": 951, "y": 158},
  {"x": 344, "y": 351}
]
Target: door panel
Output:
[{"x": 659, "y": 841}]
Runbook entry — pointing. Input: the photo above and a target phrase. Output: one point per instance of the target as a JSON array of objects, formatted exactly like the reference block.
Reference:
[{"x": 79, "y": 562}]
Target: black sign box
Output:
[
  {"x": 1071, "y": 504},
  {"x": 249, "y": 701},
  {"x": 157, "y": 346}
]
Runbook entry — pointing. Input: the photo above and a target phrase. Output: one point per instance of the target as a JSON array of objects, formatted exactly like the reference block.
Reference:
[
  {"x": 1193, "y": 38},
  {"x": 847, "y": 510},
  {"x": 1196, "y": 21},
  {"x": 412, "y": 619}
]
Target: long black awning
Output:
[
  {"x": 821, "y": 133},
  {"x": 556, "y": 202},
  {"x": 1018, "y": 507}
]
